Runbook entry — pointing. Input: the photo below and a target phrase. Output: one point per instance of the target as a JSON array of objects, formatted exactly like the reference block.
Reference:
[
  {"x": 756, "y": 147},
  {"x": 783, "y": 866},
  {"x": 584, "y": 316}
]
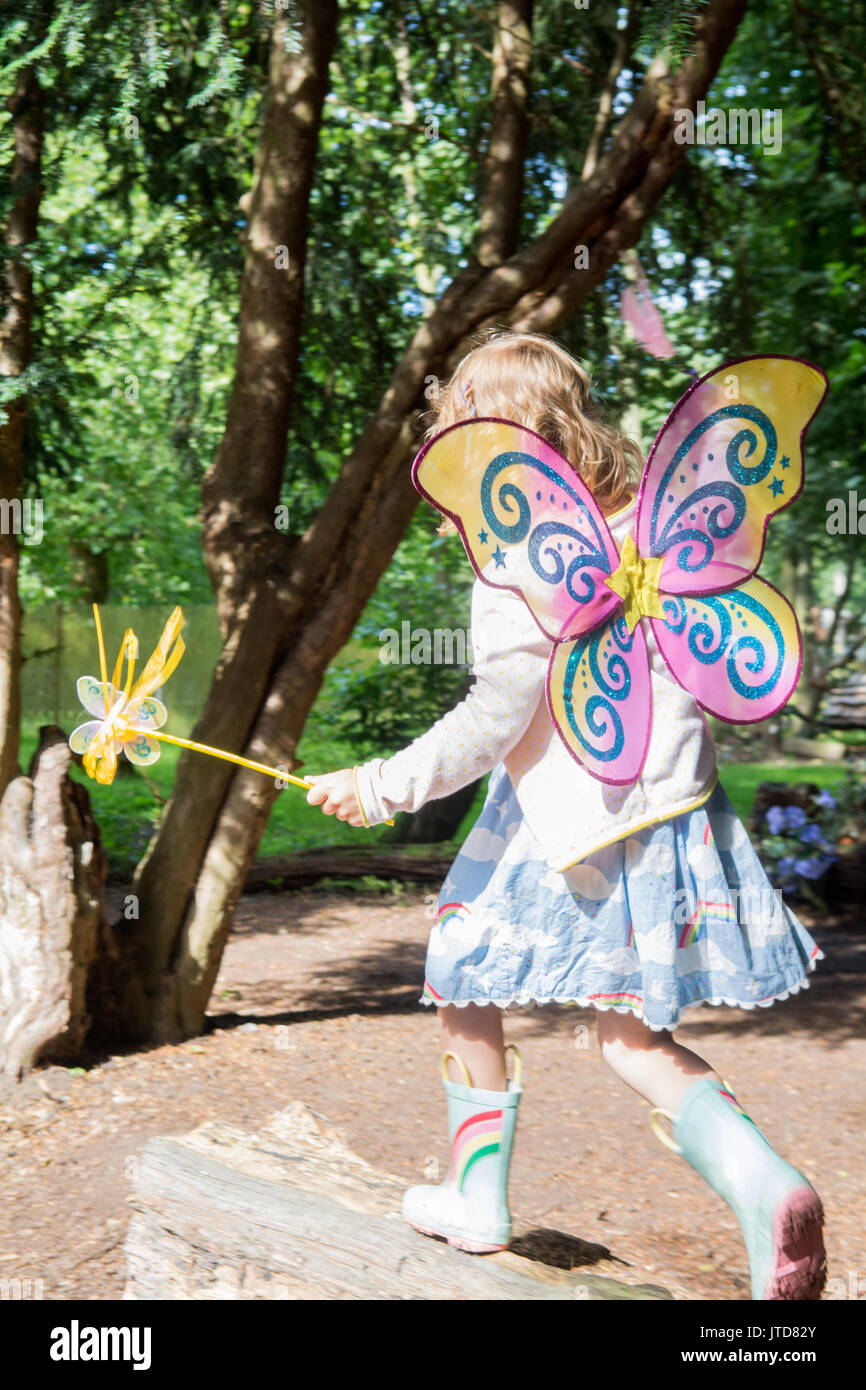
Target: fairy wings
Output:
[{"x": 727, "y": 458}]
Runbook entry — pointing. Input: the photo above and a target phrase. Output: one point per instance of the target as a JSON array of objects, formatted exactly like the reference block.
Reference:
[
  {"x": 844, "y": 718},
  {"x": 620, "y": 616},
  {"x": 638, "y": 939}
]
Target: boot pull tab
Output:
[
  {"x": 659, "y": 1132},
  {"x": 518, "y": 1067},
  {"x": 467, "y": 1079}
]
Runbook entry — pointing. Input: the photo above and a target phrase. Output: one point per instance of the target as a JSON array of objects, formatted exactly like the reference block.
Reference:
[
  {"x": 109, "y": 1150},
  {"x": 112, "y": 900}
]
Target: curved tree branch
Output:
[{"x": 272, "y": 291}]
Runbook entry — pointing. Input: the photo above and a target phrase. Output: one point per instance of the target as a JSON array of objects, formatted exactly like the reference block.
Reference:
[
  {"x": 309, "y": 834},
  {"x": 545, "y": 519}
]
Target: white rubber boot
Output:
[{"x": 470, "y": 1208}]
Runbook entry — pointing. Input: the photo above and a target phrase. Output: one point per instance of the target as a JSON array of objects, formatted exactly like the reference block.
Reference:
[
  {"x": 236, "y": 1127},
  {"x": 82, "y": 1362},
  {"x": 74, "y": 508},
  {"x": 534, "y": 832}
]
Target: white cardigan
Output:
[{"x": 505, "y": 718}]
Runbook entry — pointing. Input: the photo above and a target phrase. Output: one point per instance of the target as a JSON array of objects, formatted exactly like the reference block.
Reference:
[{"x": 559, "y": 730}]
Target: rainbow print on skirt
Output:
[{"x": 678, "y": 913}]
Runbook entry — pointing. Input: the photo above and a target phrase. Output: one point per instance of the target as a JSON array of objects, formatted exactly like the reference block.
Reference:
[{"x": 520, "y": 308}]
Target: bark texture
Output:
[{"x": 26, "y": 108}]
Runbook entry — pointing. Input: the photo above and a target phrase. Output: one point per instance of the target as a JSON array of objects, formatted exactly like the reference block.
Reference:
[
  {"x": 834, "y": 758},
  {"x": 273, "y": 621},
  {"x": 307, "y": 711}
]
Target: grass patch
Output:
[{"x": 741, "y": 780}]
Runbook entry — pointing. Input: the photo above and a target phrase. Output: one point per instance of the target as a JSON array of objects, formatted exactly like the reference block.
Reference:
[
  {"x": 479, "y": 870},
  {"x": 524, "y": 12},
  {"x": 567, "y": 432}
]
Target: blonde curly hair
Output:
[{"x": 530, "y": 379}]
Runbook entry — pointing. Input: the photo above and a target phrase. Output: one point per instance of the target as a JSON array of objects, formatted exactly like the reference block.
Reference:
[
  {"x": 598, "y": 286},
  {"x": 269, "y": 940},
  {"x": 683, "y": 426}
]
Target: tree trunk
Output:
[
  {"x": 211, "y": 818},
  {"x": 287, "y": 605},
  {"x": 52, "y": 876},
  {"x": 26, "y": 108},
  {"x": 90, "y": 572},
  {"x": 798, "y": 585}
]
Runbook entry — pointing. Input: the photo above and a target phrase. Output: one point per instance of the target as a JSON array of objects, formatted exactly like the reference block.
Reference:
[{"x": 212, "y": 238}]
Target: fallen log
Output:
[
  {"x": 293, "y": 1213},
  {"x": 348, "y": 862}
]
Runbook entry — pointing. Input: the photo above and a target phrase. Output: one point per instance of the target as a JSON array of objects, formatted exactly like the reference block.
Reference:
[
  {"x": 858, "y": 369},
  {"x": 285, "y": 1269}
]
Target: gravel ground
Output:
[{"x": 317, "y": 1001}]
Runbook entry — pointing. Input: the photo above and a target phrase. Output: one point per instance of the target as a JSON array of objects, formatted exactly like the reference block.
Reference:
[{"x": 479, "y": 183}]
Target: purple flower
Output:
[
  {"x": 795, "y": 816},
  {"x": 811, "y": 868},
  {"x": 786, "y": 866},
  {"x": 811, "y": 834},
  {"x": 776, "y": 819},
  {"x": 825, "y": 799}
]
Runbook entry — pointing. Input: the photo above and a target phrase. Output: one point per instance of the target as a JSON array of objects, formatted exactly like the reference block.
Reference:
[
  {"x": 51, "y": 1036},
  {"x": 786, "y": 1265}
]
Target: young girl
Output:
[{"x": 648, "y": 918}]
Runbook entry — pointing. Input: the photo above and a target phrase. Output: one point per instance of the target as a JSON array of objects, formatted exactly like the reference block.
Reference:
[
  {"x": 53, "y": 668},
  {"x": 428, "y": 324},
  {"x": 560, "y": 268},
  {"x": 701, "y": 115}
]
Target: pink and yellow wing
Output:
[
  {"x": 527, "y": 521},
  {"x": 600, "y": 699},
  {"x": 728, "y": 457},
  {"x": 738, "y": 652}
]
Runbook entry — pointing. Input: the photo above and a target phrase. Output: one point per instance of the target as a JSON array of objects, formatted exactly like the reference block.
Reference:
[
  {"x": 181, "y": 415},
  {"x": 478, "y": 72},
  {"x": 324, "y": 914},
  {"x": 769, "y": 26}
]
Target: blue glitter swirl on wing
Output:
[
  {"x": 709, "y": 646},
  {"x": 546, "y": 559},
  {"x": 689, "y": 536},
  {"x": 730, "y": 495},
  {"x": 613, "y": 684}
]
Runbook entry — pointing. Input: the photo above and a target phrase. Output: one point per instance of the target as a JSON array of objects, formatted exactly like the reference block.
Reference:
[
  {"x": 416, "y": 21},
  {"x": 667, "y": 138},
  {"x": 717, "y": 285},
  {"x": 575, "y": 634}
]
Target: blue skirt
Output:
[{"x": 679, "y": 913}]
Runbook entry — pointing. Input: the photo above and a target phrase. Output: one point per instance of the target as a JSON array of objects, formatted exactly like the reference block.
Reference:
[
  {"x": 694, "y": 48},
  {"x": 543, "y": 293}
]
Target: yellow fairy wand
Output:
[{"x": 131, "y": 719}]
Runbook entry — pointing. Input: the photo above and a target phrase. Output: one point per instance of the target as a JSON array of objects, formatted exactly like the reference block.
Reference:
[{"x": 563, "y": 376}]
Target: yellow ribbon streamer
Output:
[{"x": 169, "y": 650}]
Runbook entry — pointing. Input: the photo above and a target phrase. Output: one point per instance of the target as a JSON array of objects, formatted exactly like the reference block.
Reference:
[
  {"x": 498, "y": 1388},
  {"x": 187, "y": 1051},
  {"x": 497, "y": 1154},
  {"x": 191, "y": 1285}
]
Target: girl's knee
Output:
[{"x": 620, "y": 1035}]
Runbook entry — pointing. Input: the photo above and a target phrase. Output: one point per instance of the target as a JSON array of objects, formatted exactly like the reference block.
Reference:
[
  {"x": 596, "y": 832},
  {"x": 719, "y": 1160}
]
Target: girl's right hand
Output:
[{"x": 335, "y": 793}]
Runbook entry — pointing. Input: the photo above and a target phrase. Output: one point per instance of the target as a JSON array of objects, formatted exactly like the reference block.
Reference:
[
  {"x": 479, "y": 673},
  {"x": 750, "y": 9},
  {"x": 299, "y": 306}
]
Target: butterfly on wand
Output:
[{"x": 727, "y": 458}]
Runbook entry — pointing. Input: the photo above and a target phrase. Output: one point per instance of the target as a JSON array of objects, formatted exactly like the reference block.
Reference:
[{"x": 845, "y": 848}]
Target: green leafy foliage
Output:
[{"x": 667, "y": 27}]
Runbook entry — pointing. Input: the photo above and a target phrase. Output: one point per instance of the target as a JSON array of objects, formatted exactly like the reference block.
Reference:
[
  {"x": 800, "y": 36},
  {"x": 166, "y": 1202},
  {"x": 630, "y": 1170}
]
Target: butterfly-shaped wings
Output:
[
  {"x": 728, "y": 457},
  {"x": 136, "y": 717}
]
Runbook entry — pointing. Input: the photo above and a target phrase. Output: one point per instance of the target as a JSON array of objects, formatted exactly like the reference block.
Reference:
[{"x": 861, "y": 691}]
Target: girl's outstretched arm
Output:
[{"x": 510, "y": 668}]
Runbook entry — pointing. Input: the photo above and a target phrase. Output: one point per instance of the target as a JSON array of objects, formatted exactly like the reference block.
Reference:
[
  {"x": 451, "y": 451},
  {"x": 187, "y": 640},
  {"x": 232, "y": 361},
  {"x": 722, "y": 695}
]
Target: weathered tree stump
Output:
[
  {"x": 52, "y": 872},
  {"x": 293, "y": 1213}
]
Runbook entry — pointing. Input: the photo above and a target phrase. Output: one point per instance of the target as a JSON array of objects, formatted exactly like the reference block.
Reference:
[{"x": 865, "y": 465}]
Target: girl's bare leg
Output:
[
  {"x": 475, "y": 1034},
  {"x": 653, "y": 1064}
]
